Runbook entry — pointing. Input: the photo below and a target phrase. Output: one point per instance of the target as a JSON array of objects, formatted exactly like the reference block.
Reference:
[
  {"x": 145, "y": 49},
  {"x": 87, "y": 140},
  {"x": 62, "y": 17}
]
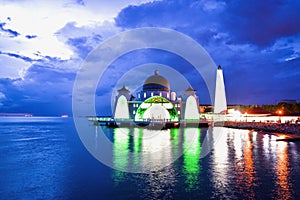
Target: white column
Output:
[{"x": 220, "y": 96}]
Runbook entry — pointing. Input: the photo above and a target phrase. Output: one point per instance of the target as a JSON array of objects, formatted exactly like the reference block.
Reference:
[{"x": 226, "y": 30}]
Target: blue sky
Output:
[{"x": 43, "y": 43}]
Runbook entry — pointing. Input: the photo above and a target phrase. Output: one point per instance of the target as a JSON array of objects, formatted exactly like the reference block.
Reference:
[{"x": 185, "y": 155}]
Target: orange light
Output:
[{"x": 280, "y": 112}]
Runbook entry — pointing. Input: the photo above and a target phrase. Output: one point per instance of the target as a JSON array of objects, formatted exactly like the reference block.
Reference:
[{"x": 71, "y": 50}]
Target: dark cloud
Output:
[
  {"x": 31, "y": 36},
  {"x": 262, "y": 81},
  {"x": 158, "y": 13},
  {"x": 43, "y": 73},
  {"x": 12, "y": 94},
  {"x": 258, "y": 22},
  {"x": 255, "y": 41},
  {"x": 10, "y": 32},
  {"x": 80, "y": 2},
  {"x": 82, "y": 40},
  {"x": 81, "y": 46},
  {"x": 43, "y": 91},
  {"x": 185, "y": 16},
  {"x": 42, "y": 59},
  {"x": 25, "y": 58},
  {"x": 262, "y": 22}
]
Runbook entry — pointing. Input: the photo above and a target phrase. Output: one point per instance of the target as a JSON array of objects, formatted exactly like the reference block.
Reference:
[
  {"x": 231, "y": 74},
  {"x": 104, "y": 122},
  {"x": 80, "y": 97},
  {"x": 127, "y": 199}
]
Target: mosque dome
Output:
[{"x": 156, "y": 82}]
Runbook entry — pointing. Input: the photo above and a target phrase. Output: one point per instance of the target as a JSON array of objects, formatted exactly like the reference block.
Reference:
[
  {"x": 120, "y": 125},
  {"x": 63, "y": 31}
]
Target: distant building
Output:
[{"x": 289, "y": 101}]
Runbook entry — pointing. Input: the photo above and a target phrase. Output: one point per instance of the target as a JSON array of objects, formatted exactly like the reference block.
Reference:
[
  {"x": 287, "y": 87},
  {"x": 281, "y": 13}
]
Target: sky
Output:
[{"x": 44, "y": 43}]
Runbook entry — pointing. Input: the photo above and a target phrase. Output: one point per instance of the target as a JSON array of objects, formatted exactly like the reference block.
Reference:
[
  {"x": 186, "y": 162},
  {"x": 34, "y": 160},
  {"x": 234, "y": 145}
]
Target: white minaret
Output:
[
  {"x": 122, "y": 108},
  {"x": 191, "y": 105},
  {"x": 220, "y": 96}
]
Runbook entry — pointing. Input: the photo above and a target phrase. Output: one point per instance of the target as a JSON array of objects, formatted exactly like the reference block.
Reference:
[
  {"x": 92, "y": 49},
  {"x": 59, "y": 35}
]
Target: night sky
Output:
[{"x": 43, "y": 43}]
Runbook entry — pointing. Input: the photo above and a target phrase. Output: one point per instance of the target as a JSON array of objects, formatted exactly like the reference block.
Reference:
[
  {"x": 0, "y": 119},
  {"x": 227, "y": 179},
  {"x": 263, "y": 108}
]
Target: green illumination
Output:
[
  {"x": 140, "y": 113},
  {"x": 191, "y": 157},
  {"x": 137, "y": 145},
  {"x": 120, "y": 152},
  {"x": 156, "y": 100},
  {"x": 137, "y": 139},
  {"x": 175, "y": 141},
  {"x": 173, "y": 114},
  {"x": 174, "y": 136}
]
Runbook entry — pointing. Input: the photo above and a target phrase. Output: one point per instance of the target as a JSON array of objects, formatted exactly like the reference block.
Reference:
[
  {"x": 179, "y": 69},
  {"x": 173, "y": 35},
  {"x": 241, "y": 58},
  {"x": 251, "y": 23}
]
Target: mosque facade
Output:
[{"x": 156, "y": 102}]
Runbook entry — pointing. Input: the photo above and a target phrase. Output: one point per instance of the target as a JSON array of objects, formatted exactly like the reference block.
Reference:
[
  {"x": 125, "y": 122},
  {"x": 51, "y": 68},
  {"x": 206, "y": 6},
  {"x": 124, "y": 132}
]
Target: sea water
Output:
[{"x": 43, "y": 158}]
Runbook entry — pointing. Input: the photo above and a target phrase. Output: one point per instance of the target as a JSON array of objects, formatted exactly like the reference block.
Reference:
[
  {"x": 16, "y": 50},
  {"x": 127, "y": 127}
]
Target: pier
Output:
[{"x": 151, "y": 124}]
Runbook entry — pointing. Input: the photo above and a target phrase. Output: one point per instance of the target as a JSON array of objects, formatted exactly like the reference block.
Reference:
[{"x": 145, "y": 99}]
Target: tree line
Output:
[{"x": 281, "y": 108}]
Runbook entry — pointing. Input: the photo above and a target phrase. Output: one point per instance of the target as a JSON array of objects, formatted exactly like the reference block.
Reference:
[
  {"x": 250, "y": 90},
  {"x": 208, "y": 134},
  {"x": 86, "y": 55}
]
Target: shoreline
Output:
[{"x": 285, "y": 128}]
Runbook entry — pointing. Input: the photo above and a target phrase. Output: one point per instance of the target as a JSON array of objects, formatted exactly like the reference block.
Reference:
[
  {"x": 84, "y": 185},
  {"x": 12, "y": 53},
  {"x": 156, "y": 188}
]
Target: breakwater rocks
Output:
[{"x": 266, "y": 127}]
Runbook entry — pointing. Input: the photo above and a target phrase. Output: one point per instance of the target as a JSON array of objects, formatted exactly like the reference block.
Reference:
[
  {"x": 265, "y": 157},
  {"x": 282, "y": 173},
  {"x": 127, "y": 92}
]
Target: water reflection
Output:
[
  {"x": 175, "y": 140},
  {"x": 269, "y": 152},
  {"x": 191, "y": 157},
  {"x": 244, "y": 167},
  {"x": 120, "y": 152},
  {"x": 220, "y": 164},
  {"x": 137, "y": 144},
  {"x": 242, "y": 164},
  {"x": 282, "y": 170}
]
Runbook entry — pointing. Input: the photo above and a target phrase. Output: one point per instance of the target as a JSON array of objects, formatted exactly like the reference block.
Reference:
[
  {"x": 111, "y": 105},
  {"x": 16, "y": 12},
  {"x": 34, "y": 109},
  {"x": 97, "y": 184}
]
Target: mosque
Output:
[{"x": 156, "y": 102}]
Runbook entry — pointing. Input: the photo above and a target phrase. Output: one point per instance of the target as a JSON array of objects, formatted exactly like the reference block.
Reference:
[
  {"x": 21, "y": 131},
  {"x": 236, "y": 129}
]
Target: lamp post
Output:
[{"x": 280, "y": 112}]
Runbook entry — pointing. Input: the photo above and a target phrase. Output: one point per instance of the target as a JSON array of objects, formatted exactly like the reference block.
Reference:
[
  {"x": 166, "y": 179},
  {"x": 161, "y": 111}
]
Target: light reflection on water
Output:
[
  {"x": 282, "y": 170},
  {"x": 233, "y": 166},
  {"x": 43, "y": 158},
  {"x": 245, "y": 169},
  {"x": 191, "y": 158},
  {"x": 220, "y": 167}
]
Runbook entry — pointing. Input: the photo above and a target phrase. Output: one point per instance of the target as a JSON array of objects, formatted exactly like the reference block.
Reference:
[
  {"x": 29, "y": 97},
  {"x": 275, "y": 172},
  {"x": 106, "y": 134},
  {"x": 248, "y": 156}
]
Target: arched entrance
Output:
[
  {"x": 157, "y": 112},
  {"x": 156, "y": 108}
]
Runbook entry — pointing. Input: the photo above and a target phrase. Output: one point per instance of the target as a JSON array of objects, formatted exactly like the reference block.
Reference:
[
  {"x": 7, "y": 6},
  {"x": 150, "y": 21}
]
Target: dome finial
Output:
[{"x": 156, "y": 72}]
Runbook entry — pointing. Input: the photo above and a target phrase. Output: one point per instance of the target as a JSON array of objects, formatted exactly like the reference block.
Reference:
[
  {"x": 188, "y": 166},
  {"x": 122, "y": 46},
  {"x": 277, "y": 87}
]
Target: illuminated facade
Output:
[
  {"x": 220, "y": 96},
  {"x": 156, "y": 102}
]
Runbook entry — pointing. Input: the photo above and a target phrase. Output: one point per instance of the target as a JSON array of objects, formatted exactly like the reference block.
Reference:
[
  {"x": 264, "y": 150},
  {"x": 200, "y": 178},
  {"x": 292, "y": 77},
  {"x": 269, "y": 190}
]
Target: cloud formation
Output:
[
  {"x": 262, "y": 22},
  {"x": 8, "y": 32},
  {"x": 256, "y": 42},
  {"x": 41, "y": 51}
]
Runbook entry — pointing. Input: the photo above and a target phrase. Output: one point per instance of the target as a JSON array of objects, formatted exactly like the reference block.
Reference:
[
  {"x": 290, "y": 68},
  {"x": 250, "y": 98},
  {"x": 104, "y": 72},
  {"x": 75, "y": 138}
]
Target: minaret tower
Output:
[
  {"x": 220, "y": 96},
  {"x": 191, "y": 105},
  {"x": 121, "y": 108}
]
